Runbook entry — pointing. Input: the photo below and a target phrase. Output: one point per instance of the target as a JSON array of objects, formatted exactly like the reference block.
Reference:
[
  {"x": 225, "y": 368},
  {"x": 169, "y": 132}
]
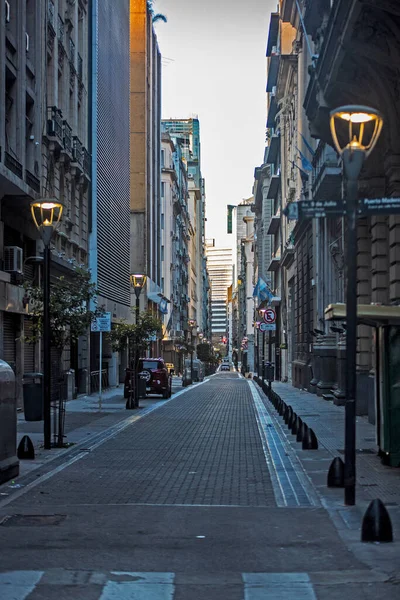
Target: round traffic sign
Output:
[{"x": 269, "y": 315}]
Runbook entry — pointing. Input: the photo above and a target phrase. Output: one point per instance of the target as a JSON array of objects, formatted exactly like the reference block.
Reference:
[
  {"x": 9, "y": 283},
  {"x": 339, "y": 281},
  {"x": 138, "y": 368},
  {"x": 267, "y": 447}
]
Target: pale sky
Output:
[{"x": 215, "y": 67}]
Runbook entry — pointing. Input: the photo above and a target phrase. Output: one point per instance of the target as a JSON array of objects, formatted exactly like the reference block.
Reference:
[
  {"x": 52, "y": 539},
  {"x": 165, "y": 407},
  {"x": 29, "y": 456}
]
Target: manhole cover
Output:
[{"x": 33, "y": 520}]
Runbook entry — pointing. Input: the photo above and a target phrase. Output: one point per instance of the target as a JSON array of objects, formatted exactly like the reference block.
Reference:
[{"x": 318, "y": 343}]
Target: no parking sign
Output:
[{"x": 269, "y": 316}]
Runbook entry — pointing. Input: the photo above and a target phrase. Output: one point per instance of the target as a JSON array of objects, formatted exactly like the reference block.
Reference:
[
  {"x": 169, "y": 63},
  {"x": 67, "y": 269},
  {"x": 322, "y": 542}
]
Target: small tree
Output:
[
  {"x": 135, "y": 337},
  {"x": 70, "y": 313}
]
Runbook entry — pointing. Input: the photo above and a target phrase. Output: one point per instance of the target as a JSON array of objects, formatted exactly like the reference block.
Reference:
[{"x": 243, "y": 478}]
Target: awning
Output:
[
  {"x": 273, "y": 69},
  {"x": 367, "y": 314}
]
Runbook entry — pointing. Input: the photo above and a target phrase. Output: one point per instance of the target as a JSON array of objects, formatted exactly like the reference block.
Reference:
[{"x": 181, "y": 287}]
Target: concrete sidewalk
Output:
[{"x": 374, "y": 480}]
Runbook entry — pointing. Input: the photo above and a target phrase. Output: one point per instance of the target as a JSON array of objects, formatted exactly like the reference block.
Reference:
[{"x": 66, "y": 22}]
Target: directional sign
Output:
[
  {"x": 267, "y": 327},
  {"x": 378, "y": 206},
  {"x": 269, "y": 315},
  {"x": 310, "y": 209},
  {"x": 102, "y": 323}
]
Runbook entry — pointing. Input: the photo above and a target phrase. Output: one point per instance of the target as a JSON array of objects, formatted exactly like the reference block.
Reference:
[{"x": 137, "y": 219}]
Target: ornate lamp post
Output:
[
  {"x": 138, "y": 281},
  {"x": 355, "y": 131},
  {"x": 46, "y": 215},
  {"x": 191, "y": 323}
]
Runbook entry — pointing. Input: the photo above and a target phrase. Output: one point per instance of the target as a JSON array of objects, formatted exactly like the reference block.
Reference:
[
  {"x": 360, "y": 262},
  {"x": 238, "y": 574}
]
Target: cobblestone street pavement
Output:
[{"x": 200, "y": 498}]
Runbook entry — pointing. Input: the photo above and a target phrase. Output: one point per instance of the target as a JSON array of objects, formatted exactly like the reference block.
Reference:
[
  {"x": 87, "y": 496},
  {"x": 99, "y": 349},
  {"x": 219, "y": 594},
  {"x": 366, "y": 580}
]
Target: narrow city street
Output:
[{"x": 202, "y": 496}]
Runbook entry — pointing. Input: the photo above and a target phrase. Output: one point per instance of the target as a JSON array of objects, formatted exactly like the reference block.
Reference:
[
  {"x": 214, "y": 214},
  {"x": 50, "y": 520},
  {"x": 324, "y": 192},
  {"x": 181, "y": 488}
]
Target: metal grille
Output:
[{"x": 113, "y": 209}]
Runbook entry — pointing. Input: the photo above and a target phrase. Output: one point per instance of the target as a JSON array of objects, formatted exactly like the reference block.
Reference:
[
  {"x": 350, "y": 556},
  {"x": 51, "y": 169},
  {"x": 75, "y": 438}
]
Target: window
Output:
[
  {"x": 163, "y": 189},
  {"x": 162, "y": 220},
  {"x": 162, "y": 158}
]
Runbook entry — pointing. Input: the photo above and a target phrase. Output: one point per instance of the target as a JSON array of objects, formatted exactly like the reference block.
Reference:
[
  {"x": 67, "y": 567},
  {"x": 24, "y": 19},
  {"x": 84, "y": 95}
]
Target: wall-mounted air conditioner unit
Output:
[
  {"x": 8, "y": 11},
  {"x": 13, "y": 259}
]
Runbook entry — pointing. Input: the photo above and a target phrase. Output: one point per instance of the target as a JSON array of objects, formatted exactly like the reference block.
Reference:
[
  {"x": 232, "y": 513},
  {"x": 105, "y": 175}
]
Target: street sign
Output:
[
  {"x": 102, "y": 323},
  {"x": 310, "y": 209},
  {"x": 378, "y": 206},
  {"x": 269, "y": 315},
  {"x": 267, "y": 327}
]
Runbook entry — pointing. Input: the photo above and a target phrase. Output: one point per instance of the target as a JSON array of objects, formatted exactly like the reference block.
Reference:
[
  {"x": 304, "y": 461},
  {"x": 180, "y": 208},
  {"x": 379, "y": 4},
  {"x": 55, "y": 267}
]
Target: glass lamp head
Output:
[
  {"x": 138, "y": 281},
  {"x": 355, "y": 128},
  {"x": 46, "y": 213}
]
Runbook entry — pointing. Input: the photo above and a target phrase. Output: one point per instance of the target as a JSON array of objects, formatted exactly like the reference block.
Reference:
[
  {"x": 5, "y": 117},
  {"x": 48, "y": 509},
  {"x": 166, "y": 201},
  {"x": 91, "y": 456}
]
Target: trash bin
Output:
[
  {"x": 142, "y": 382},
  {"x": 33, "y": 396},
  {"x": 269, "y": 371}
]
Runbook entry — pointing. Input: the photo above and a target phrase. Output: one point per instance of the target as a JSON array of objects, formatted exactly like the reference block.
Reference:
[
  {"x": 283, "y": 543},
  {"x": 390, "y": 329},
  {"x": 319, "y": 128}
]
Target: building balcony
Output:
[
  {"x": 274, "y": 225},
  {"x": 55, "y": 127},
  {"x": 272, "y": 111},
  {"x": 273, "y": 33},
  {"x": 32, "y": 181},
  {"x": 12, "y": 164},
  {"x": 273, "y": 69},
  {"x": 77, "y": 154},
  {"x": 67, "y": 138},
  {"x": 274, "y": 262},
  {"x": 287, "y": 256},
  {"x": 327, "y": 175},
  {"x": 272, "y": 150},
  {"x": 274, "y": 186},
  {"x": 87, "y": 163}
]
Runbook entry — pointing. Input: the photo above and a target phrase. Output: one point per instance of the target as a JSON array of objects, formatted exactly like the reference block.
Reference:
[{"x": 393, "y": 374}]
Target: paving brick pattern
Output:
[
  {"x": 202, "y": 448},
  {"x": 327, "y": 420}
]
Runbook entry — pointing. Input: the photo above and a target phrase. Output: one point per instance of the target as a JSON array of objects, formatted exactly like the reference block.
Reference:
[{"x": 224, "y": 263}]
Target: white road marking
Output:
[
  {"x": 144, "y": 586},
  {"x": 17, "y": 585},
  {"x": 271, "y": 586}
]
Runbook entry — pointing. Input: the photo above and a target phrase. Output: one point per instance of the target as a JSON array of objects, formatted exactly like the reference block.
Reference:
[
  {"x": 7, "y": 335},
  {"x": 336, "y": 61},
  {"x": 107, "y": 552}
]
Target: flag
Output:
[
  {"x": 307, "y": 145},
  {"x": 262, "y": 290},
  {"x": 305, "y": 163}
]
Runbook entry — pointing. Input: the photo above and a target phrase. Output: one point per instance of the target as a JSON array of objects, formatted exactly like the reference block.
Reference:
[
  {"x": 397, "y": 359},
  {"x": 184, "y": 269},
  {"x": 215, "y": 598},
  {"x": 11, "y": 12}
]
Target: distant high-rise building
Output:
[
  {"x": 186, "y": 134},
  {"x": 219, "y": 266}
]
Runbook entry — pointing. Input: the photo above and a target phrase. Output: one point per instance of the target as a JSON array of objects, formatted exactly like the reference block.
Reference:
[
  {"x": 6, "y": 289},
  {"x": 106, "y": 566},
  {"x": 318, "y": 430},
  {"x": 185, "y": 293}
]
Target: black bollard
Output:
[
  {"x": 295, "y": 424},
  {"x": 336, "y": 473},
  {"x": 292, "y": 420},
  {"x": 376, "y": 525},
  {"x": 288, "y": 414},
  {"x": 26, "y": 451},
  {"x": 282, "y": 408},
  {"x": 301, "y": 431},
  {"x": 310, "y": 441}
]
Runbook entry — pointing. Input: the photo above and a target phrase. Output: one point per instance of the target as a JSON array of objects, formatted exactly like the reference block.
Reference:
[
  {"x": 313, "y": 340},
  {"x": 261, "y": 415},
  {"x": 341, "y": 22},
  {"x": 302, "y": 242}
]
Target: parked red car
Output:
[{"x": 154, "y": 371}]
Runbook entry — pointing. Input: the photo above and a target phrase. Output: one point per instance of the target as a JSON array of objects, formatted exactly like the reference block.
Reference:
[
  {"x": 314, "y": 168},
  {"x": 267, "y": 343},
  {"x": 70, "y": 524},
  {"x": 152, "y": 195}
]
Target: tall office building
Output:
[
  {"x": 219, "y": 266},
  {"x": 110, "y": 237}
]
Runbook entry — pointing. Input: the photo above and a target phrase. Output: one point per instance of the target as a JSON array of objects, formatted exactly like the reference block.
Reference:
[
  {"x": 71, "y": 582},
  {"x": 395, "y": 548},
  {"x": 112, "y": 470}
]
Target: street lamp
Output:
[
  {"x": 355, "y": 131},
  {"x": 191, "y": 323},
  {"x": 138, "y": 281},
  {"x": 46, "y": 215}
]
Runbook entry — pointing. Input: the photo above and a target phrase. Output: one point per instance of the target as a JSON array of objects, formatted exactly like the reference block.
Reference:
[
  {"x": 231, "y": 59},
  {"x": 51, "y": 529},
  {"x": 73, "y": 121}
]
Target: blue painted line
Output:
[{"x": 290, "y": 489}]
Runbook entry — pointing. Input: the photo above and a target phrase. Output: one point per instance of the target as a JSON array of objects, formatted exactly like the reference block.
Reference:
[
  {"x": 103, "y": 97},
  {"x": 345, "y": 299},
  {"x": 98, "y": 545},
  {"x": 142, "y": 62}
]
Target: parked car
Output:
[
  {"x": 198, "y": 371},
  {"x": 225, "y": 367},
  {"x": 171, "y": 368},
  {"x": 156, "y": 374}
]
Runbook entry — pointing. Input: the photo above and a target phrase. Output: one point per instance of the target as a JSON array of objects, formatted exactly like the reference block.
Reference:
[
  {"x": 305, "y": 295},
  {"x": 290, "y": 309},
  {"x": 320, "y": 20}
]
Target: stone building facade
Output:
[
  {"x": 344, "y": 52},
  {"x": 45, "y": 152}
]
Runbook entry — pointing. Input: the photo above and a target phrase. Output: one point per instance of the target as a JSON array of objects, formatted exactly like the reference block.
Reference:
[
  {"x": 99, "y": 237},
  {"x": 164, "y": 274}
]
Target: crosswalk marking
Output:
[
  {"x": 140, "y": 586},
  {"x": 17, "y": 585},
  {"x": 270, "y": 586},
  {"x": 123, "y": 585}
]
